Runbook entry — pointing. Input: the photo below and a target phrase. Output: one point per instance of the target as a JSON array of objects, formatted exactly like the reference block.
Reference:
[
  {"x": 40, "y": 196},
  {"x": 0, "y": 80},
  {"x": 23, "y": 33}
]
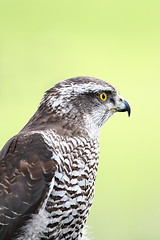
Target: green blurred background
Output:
[{"x": 43, "y": 42}]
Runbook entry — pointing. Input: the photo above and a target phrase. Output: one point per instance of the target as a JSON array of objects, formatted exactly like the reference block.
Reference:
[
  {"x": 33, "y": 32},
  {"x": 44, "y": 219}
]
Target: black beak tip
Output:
[{"x": 128, "y": 108}]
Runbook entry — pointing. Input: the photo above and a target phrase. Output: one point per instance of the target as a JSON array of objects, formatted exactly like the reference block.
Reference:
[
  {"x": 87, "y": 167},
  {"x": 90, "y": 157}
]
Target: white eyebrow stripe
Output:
[{"x": 82, "y": 88}]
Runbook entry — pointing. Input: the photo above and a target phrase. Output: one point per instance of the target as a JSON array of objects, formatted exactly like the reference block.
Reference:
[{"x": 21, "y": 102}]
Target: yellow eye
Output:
[{"x": 103, "y": 96}]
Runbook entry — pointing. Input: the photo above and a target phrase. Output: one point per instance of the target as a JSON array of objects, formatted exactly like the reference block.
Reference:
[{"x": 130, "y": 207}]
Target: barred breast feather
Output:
[{"x": 59, "y": 170}]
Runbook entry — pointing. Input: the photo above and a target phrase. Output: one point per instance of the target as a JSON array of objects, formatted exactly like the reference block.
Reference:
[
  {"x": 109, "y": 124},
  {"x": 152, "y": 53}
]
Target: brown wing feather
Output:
[{"x": 26, "y": 170}]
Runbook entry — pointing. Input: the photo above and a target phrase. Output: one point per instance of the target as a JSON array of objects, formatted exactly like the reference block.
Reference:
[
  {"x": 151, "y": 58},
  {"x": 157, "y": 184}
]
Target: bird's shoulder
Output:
[{"x": 25, "y": 148}]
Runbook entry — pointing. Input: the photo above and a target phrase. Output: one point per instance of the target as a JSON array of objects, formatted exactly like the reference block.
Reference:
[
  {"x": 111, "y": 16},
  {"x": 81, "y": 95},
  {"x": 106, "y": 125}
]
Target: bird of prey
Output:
[{"x": 48, "y": 170}]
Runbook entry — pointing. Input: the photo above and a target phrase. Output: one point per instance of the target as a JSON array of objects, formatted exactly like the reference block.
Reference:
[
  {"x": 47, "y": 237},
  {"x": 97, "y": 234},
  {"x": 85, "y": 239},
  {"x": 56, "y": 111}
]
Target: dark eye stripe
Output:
[{"x": 112, "y": 101}]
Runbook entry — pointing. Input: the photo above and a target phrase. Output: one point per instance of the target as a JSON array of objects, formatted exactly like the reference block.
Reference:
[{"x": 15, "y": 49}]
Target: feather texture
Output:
[{"x": 48, "y": 170}]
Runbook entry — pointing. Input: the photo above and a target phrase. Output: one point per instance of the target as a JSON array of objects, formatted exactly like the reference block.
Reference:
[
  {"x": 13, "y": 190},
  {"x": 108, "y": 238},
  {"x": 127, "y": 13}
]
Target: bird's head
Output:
[{"x": 81, "y": 104}]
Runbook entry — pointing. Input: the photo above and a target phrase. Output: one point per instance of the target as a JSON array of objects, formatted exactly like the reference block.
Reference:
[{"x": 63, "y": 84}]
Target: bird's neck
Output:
[{"x": 64, "y": 126}]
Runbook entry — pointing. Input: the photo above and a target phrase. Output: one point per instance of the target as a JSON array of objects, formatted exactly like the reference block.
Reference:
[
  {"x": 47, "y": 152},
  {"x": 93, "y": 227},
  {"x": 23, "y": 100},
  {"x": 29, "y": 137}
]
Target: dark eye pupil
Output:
[{"x": 103, "y": 96}]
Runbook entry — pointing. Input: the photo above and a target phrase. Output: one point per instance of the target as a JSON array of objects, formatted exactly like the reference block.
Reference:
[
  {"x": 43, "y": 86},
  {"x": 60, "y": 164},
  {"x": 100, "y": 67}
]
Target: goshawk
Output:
[{"x": 48, "y": 170}]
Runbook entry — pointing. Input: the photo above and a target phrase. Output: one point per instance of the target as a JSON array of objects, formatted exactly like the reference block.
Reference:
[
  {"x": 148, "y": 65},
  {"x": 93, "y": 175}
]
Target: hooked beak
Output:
[{"x": 124, "y": 107}]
